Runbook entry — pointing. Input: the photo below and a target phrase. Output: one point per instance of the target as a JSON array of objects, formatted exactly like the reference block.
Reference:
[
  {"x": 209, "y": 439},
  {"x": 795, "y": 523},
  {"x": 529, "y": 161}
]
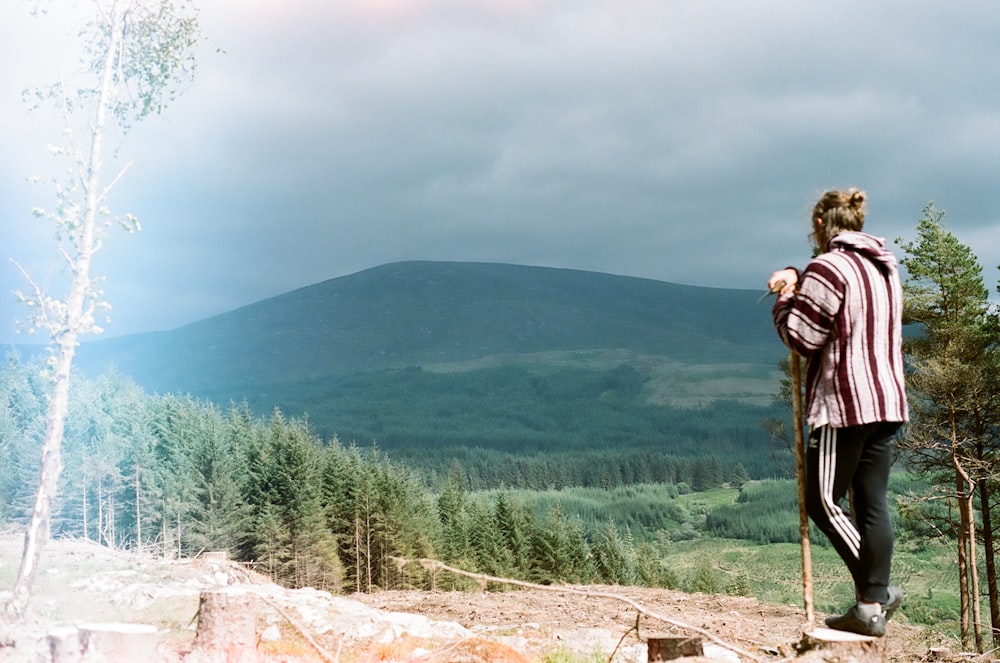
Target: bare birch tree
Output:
[{"x": 138, "y": 55}]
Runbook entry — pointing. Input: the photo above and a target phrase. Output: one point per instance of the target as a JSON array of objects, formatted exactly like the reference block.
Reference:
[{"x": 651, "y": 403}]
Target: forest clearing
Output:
[{"x": 84, "y": 583}]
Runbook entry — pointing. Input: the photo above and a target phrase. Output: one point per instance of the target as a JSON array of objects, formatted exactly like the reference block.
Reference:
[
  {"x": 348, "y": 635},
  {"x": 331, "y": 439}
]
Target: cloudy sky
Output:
[{"x": 678, "y": 140}]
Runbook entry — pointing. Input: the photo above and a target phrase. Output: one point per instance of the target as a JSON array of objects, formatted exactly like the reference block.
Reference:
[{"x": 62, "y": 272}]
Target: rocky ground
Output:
[{"x": 81, "y": 582}]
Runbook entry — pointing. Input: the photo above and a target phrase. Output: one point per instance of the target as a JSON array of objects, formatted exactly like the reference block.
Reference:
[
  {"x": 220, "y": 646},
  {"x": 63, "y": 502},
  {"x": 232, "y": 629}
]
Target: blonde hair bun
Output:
[{"x": 856, "y": 198}]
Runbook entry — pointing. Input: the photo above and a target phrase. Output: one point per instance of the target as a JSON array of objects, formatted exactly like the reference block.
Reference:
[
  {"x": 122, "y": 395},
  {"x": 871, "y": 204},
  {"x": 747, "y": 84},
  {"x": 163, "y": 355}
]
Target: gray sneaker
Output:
[
  {"x": 855, "y": 621},
  {"x": 890, "y": 607}
]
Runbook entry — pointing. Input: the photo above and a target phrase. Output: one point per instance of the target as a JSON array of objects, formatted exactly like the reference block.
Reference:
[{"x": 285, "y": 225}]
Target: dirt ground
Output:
[
  {"x": 745, "y": 625},
  {"x": 81, "y": 583}
]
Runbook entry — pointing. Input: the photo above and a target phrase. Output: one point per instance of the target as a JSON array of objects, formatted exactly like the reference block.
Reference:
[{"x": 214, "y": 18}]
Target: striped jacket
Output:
[{"x": 845, "y": 318}]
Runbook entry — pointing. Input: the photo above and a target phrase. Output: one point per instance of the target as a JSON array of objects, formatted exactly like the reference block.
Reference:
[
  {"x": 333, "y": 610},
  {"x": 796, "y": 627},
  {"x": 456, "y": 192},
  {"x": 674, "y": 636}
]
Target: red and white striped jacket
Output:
[{"x": 846, "y": 318}]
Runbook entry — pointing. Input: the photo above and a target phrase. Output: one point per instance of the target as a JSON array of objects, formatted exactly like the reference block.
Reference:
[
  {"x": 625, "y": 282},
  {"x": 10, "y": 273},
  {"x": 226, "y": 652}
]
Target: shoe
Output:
[
  {"x": 895, "y": 600},
  {"x": 855, "y": 621}
]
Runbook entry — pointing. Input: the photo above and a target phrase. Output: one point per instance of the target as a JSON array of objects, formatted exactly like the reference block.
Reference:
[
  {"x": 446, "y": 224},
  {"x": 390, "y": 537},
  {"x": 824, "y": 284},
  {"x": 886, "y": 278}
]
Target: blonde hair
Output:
[{"x": 835, "y": 212}]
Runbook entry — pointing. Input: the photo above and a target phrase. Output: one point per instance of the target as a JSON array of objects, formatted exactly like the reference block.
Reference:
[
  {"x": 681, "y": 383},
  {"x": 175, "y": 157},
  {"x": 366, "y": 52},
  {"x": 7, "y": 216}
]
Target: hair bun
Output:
[{"x": 856, "y": 198}]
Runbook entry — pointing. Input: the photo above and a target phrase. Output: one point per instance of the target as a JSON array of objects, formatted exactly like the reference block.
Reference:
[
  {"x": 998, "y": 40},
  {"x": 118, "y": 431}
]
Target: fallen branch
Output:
[{"x": 303, "y": 631}]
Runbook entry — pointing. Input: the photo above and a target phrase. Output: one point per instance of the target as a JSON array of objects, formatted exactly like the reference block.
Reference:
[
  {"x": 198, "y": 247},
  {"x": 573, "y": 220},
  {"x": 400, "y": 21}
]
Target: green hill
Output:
[{"x": 440, "y": 313}]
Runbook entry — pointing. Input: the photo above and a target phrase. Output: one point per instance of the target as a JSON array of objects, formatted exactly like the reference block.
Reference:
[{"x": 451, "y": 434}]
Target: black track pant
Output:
[{"x": 856, "y": 457}]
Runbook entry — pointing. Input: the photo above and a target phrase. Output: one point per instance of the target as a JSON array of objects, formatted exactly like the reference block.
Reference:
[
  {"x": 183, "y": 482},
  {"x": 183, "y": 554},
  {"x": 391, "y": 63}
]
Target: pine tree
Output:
[
  {"x": 287, "y": 504},
  {"x": 514, "y": 525},
  {"x": 650, "y": 567},
  {"x": 215, "y": 462},
  {"x": 348, "y": 503},
  {"x": 174, "y": 425},
  {"x": 614, "y": 556},
  {"x": 559, "y": 550},
  {"x": 452, "y": 510},
  {"x": 140, "y": 497},
  {"x": 92, "y": 484},
  {"x": 21, "y": 424},
  {"x": 492, "y": 556},
  {"x": 951, "y": 388},
  {"x": 738, "y": 476},
  {"x": 408, "y": 526}
]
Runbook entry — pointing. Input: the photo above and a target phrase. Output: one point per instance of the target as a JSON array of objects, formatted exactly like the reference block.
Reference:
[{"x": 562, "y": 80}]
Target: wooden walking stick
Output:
[{"x": 800, "y": 471}]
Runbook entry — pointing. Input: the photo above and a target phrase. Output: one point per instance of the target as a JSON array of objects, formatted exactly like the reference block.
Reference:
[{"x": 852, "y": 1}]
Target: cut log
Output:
[
  {"x": 227, "y": 627},
  {"x": 670, "y": 647},
  {"x": 110, "y": 643},
  {"x": 843, "y": 646}
]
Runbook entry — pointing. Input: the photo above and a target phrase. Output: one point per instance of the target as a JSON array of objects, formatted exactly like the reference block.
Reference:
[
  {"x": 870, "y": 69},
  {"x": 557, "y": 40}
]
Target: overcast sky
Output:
[{"x": 678, "y": 140}]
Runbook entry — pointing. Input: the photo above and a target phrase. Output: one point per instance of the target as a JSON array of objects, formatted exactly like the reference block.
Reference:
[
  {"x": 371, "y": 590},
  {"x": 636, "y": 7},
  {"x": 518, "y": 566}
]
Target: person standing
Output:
[{"x": 844, "y": 315}]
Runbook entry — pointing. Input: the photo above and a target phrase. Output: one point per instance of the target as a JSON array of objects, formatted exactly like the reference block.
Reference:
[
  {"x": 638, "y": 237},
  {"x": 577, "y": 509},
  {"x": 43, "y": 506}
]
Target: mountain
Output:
[
  {"x": 437, "y": 313},
  {"x": 523, "y": 376}
]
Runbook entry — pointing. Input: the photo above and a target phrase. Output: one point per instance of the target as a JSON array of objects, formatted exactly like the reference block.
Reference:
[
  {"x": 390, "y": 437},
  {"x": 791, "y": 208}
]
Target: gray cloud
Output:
[{"x": 682, "y": 141}]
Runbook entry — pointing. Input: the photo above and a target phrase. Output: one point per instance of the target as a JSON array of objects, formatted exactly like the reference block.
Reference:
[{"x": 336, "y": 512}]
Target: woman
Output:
[{"x": 843, "y": 313}]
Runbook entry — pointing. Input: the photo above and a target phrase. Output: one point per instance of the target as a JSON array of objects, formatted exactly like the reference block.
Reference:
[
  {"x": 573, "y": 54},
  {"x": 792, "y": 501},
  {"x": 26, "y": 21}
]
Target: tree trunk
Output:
[
  {"x": 963, "y": 529},
  {"x": 86, "y": 534},
  {"x": 357, "y": 552},
  {"x": 227, "y": 627},
  {"x": 977, "y": 622},
  {"x": 163, "y": 530},
  {"x": 100, "y": 509},
  {"x": 112, "y": 519},
  {"x": 966, "y": 490},
  {"x": 138, "y": 512},
  {"x": 368, "y": 543},
  {"x": 989, "y": 551},
  {"x": 963, "y": 569}
]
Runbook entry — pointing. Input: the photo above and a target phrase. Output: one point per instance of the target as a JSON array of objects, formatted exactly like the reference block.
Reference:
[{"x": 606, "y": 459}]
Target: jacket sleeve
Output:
[{"x": 805, "y": 319}]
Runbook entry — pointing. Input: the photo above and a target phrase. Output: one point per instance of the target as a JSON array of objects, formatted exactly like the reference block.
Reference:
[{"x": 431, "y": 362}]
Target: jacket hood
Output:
[{"x": 871, "y": 246}]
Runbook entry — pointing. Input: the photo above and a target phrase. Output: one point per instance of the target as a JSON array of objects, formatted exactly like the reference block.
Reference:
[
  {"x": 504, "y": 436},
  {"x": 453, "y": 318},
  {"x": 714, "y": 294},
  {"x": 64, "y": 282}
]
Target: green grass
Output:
[
  {"x": 670, "y": 381},
  {"x": 706, "y": 500},
  {"x": 773, "y": 573},
  {"x": 566, "y": 656}
]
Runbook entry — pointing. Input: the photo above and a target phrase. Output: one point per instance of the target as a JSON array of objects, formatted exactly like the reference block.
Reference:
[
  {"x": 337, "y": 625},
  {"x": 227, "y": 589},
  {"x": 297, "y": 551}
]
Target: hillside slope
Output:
[
  {"x": 416, "y": 313},
  {"x": 431, "y": 626}
]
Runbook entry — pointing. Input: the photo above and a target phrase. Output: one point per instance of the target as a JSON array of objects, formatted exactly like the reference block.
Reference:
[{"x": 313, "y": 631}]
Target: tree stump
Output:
[
  {"x": 64, "y": 645},
  {"x": 670, "y": 647},
  {"x": 843, "y": 646},
  {"x": 227, "y": 627},
  {"x": 104, "y": 643}
]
